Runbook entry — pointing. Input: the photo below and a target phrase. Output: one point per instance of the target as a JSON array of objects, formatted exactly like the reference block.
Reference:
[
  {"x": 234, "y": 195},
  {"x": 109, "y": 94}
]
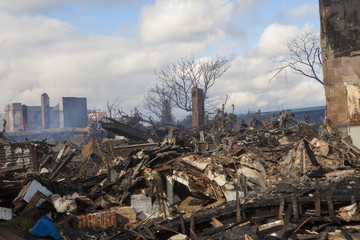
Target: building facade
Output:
[{"x": 70, "y": 112}]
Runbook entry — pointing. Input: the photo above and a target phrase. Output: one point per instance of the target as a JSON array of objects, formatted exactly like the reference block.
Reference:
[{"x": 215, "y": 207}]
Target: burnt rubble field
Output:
[{"x": 276, "y": 178}]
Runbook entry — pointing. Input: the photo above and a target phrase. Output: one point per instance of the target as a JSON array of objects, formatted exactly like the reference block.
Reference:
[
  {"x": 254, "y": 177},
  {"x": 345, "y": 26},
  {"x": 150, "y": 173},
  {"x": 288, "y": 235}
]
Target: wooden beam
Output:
[
  {"x": 281, "y": 208},
  {"x": 192, "y": 226},
  {"x": 295, "y": 207},
  {"x": 317, "y": 205},
  {"x": 238, "y": 208},
  {"x": 353, "y": 199},
  {"x": 38, "y": 195},
  {"x": 216, "y": 223},
  {"x": 286, "y": 220},
  {"x": 330, "y": 206},
  {"x": 183, "y": 226}
]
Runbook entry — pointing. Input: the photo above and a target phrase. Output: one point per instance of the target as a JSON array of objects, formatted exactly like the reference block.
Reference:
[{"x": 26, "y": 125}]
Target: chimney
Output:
[
  {"x": 197, "y": 107},
  {"x": 45, "y": 111}
]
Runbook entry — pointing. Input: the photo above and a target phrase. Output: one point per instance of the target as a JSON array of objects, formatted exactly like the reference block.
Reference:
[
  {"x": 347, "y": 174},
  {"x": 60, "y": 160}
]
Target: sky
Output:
[{"x": 108, "y": 50}]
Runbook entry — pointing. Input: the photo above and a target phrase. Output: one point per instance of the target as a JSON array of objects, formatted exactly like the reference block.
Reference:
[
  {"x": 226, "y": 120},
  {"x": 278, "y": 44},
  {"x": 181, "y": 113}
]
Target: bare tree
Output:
[
  {"x": 114, "y": 108},
  {"x": 176, "y": 81},
  {"x": 158, "y": 102},
  {"x": 304, "y": 57}
]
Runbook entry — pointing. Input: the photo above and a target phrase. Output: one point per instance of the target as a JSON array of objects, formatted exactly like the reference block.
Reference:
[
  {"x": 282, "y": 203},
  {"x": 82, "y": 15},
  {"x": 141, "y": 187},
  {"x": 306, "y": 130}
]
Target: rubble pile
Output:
[{"x": 261, "y": 179}]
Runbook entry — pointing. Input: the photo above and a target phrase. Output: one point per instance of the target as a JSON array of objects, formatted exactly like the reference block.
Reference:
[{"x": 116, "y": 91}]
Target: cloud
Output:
[
  {"x": 272, "y": 41},
  {"x": 40, "y": 54},
  {"x": 192, "y": 20},
  {"x": 305, "y": 11},
  {"x": 183, "y": 20},
  {"x": 42, "y": 6},
  {"x": 248, "y": 80}
]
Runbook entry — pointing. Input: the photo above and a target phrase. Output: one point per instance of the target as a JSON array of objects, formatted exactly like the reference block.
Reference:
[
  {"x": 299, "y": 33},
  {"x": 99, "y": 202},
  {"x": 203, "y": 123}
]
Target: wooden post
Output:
[
  {"x": 330, "y": 206},
  {"x": 238, "y": 208},
  {"x": 286, "y": 220},
  {"x": 295, "y": 207},
  {"x": 192, "y": 226},
  {"x": 183, "y": 227},
  {"x": 317, "y": 205},
  {"x": 353, "y": 199},
  {"x": 281, "y": 208}
]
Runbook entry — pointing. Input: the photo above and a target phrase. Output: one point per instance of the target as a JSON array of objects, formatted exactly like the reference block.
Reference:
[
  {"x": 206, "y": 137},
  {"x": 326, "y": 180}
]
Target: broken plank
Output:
[
  {"x": 238, "y": 208},
  {"x": 295, "y": 207},
  {"x": 330, "y": 206},
  {"x": 281, "y": 208},
  {"x": 192, "y": 226},
  {"x": 271, "y": 227},
  {"x": 286, "y": 220},
  {"x": 215, "y": 222},
  {"x": 317, "y": 205},
  {"x": 38, "y": 195},
  {"x": 183, "y": 226}
]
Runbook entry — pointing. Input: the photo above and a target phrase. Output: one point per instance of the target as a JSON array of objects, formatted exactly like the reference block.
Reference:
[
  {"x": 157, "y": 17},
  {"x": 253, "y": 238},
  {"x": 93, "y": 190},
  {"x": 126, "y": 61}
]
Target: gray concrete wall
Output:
[
  {"x": 34, "y": 117},
  {"x": 12, "y": 116},
  {"x": 73, "y": 112}
]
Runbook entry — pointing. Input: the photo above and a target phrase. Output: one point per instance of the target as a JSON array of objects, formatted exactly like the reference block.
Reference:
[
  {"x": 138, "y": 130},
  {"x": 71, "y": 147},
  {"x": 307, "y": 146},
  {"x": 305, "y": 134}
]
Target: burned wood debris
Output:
[{"x": 262, "y": 179}]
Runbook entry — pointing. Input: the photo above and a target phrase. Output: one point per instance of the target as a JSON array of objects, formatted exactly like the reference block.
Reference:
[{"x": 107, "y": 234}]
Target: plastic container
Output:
[{"x": 45, "y": 228}]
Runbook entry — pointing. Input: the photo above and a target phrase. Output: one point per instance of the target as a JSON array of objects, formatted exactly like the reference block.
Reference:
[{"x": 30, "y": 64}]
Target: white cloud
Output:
[
  {"x": 40, "y": 6},
  {"x": 272, "y": 41},
  {"x": 192, "y": 20},
  {"x": 39, "y": 54},
  {"x": 184, "y": 20},
  {"x": 248, "y": 80},
  {"x": 304, "y": 11},
  {"x": 243, "y": 99}
]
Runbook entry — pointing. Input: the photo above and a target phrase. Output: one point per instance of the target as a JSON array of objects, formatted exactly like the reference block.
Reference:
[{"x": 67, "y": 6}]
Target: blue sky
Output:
[
  {"x": 95, "y": 19},
  {"x": 105, "y": 50}
]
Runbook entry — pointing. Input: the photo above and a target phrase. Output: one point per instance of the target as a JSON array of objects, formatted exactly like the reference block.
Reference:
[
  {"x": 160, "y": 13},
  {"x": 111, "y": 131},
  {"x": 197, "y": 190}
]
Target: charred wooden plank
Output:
[
  {"x": 353, "y": 199},
  {"x": 183, "y": 226},
  {"x": 286, "y": 220},
  {"x": 330, "y": 206},
  {"x": 281, "y": 208},
  {"x": 311, "y": 154},
  {"x": 124, "y": 130},
  {"x": 149, "y": 234},
  {"x": 295, "y": 207},
  {"x": 192, "y": 226},
  {"x": 238, "y": 208},
  {"x": 317, "y": 205}
]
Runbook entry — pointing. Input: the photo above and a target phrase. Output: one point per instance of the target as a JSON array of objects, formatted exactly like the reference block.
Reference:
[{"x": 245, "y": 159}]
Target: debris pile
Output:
[{"x": 261, "y": 179}]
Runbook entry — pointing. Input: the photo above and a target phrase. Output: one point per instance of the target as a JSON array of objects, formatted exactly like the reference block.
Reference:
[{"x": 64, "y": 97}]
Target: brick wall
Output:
[{"x": 96, "y": 220}]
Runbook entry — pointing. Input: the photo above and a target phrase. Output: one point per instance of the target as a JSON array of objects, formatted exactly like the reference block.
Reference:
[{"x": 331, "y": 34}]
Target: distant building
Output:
[
  {"x": 73, "y": 112},
  {"x": 70, "y": 112}
]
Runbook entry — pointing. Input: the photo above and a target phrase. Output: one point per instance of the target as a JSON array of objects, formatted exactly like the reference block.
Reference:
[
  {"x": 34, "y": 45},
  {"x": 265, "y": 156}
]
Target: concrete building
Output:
[
  {"x": 340, "y": 42},
  {"x": 70, "y": 112},
  {"x": 45, "y": 111},
  {"x": 13, "y": 116},
  {"x": 73, "y": 112}
]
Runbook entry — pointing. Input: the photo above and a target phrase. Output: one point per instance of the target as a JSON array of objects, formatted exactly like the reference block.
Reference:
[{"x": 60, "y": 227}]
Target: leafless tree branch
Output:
[
  {"x": 304, "y": 57},
  {"x": 114, "y": 108}
]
